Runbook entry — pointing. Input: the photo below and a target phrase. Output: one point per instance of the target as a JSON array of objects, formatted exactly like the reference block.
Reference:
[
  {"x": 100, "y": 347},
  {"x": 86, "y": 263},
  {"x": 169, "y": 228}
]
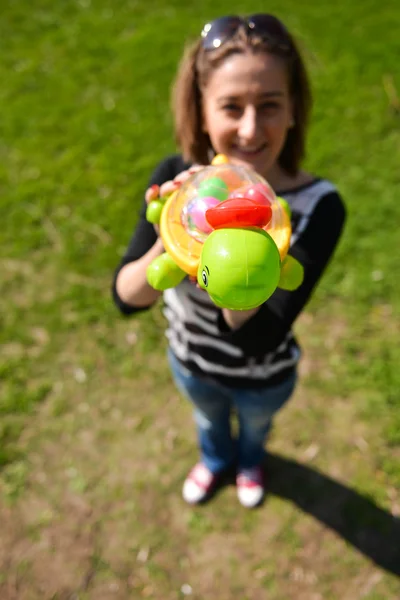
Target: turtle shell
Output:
[{"x": 184, "y": 226}]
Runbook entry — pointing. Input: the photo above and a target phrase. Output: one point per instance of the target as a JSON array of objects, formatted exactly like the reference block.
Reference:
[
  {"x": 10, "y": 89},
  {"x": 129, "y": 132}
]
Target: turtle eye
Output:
[{"x": 204, "y": 277}]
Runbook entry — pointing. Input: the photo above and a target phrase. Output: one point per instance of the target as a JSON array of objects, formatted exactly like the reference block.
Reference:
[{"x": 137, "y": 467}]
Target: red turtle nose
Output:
[{"x": 238, "y": 212}]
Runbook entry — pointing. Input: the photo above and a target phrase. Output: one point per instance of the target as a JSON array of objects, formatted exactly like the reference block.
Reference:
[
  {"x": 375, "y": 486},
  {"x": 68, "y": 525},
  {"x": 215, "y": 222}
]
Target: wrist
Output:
[{"x": 159, "y": 246}]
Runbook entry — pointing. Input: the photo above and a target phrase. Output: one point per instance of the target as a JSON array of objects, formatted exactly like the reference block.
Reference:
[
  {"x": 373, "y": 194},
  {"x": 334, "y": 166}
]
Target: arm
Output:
[
  {"x": 264, "y": 330},
  {"x": 130, "y": 289},
  {"x": 131, "y": 284}
]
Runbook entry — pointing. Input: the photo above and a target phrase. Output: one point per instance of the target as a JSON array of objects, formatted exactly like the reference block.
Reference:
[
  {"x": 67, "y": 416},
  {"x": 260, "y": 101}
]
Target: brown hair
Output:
[{"x": 194, "y": 70}]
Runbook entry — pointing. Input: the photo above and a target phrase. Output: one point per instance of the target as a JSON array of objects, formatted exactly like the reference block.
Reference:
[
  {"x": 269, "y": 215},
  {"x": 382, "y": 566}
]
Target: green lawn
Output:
[{"x": 94, "y": 439}]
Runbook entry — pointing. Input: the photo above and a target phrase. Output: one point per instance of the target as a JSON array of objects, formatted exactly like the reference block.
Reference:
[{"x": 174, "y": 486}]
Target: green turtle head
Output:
[{"x": 239, "y": 268}]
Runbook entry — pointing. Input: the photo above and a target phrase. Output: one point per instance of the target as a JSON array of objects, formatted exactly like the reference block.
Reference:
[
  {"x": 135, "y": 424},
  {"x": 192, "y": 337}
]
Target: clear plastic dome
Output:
[{"x": 213, "y": 185}]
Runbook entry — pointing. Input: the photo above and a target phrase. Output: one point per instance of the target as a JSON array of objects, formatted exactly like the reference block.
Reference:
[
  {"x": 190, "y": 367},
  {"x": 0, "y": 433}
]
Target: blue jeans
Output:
[{"x": 214, "y": 403}]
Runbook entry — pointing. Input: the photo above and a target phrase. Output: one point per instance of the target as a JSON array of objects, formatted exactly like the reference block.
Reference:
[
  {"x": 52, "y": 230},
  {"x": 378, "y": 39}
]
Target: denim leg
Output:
[
  {"x": 255, "y": 409},
  {"x": 212, "y": 415}
]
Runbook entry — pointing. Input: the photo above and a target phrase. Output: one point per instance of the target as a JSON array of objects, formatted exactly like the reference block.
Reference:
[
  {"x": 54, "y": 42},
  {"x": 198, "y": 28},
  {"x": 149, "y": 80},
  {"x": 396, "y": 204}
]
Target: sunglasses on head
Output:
[{"x": 267, "y": 27}]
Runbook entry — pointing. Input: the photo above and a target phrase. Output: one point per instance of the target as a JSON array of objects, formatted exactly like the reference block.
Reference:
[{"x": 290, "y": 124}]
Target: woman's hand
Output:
[{"x": 168, "y": 187}]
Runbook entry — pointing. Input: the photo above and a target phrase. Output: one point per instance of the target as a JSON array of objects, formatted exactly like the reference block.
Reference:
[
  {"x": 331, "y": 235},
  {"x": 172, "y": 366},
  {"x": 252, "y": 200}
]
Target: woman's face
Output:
[{"x": 247, "y": 110}]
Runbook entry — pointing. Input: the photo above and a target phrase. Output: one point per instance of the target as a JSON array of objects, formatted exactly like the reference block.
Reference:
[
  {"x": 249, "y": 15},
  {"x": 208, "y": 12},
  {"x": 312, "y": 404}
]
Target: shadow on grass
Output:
[{"x": 356, "y": 518}]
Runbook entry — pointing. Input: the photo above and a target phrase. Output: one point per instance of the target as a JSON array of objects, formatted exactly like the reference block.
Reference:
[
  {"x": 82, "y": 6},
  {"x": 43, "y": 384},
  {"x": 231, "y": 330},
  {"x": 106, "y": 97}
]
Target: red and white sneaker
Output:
[
  {"x": 198, "y": 484},
  {"x": 250, "y": 486}
]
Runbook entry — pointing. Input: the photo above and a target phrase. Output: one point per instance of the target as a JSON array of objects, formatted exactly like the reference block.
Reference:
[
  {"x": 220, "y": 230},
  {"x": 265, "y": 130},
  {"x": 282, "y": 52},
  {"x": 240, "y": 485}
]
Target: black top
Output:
[{"x": 263, "y": 351}]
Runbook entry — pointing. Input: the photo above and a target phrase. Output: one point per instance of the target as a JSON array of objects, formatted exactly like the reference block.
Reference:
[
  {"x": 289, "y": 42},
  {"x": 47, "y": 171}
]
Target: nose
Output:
[{"x": 248, "y": 124}]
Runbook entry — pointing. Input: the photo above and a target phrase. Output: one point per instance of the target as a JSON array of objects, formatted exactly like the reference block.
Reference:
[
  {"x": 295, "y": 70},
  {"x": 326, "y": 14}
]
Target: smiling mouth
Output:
[{"x": 250, "y": 151}]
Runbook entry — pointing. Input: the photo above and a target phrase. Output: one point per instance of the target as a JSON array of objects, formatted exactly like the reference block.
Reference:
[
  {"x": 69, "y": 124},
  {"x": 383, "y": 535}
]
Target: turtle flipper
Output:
[
  {"x": 292, "y": 274},
  {"x": 285, "y": 205},
  {"x": 163, "y": 273},
  {"x": 154, "y": 210}
]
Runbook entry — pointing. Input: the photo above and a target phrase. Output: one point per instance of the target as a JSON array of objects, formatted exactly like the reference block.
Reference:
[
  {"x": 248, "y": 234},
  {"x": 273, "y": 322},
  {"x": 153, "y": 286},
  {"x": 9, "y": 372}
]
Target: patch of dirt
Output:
[{"x": 101, "y": 517}]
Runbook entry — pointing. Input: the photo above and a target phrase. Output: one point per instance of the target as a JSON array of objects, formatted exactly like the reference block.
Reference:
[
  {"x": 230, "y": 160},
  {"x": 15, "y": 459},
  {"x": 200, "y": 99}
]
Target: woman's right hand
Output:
[{"x": 170, "y": 186}]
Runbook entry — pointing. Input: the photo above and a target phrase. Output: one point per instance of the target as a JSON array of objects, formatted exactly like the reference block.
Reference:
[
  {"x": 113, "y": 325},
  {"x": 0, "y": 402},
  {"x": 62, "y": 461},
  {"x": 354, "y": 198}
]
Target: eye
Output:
[
  {"x": 231, "y": 107},
  {"x": 269, "y": 106},
  {"x": 204, "y": 277}
]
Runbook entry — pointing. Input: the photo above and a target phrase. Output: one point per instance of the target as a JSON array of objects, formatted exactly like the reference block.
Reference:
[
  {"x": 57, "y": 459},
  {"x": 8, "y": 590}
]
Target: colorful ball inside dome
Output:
[
  {"x": 196, "y": 212},
  {"x": 215, "y": 184}
]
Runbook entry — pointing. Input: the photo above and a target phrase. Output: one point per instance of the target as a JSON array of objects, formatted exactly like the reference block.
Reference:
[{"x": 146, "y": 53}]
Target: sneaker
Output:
[
  {"x": 250, "y": 486},
  {"x": 198, "y": 484}
]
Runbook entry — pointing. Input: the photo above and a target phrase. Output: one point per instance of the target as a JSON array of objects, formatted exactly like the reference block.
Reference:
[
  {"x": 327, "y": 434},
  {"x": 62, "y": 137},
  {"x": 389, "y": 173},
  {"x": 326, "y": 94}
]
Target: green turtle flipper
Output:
[
  {"x": 154, "y": 210},
  {"x": 163, "y": 273},
  {"x": 292, "y": 274}
]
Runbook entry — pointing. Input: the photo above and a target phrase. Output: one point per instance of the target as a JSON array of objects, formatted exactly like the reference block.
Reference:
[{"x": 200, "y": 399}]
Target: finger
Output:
[
  {"x": 152, "y": 192},
  {"x": 168, "y": 187},
  {"x": 186, "y": 174},
  {"x": 195, "y": 168}
]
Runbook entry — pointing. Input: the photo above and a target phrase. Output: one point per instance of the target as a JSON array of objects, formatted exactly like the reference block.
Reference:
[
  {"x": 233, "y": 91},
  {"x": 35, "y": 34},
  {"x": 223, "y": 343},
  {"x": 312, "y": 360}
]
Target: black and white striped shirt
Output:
[{"x": 263, "y": 351}]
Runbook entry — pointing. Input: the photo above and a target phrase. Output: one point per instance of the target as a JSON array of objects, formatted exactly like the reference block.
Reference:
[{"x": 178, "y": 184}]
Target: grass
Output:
[{"x": 94, "y": 440}]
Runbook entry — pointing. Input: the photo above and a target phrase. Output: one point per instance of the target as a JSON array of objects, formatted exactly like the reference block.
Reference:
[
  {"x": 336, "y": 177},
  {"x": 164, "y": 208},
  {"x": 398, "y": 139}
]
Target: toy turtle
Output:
[{"x": 225, "y": 227}]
